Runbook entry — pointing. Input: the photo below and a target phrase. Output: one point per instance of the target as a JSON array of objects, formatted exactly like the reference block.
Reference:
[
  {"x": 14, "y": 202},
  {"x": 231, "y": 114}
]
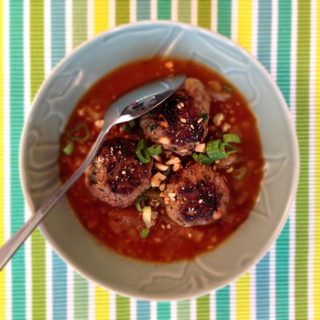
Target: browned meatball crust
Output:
[
  {"x": 116, "y": 175},
  {"x": 196, "y": 195},
  {"x": 181, "y": 122}
]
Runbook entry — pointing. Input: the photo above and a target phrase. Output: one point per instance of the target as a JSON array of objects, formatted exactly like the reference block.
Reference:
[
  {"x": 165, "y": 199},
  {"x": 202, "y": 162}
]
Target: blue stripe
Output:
[
  {"x": 16, "y": 123},
  {"x": 143, "y": 10},
  {"x": 143, "y": 310},
  {"x": 264, "y": 53},
  {"x": 59, "y": 268}
]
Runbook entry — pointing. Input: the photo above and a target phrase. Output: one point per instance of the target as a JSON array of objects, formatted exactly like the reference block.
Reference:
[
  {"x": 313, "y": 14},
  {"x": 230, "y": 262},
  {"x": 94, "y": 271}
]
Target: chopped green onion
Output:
[
  {"x": 126, "y": 128},
  {"x": 154, "y": 150},
  {"x": 138, "y": 200},
  {"x": 76, "y": 129},
  {"x": 68, "y": 149},
  {"x": 146, "y": 216},
  {"x": 213, "y": 150},
  {"x": 144, "y": 233},
  {"x": 132, "y": 124},
  {"x": 227, "y": 88},
  {"x": 141, "y": 148},
  {"x": 153, "y": 127},
  {"x": 231, "y": 137},
  {"x": 166, "y": 173},
  {"x": 204, "y": 116},
  {"x": 201, "y": 158},
  {"x": 223, "y": 149},
  {"x": 239, "y": 173},
  {"x": 149, "y": 114}
]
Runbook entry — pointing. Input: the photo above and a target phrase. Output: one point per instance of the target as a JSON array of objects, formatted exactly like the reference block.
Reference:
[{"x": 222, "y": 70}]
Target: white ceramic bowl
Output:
[{"x": 52, "y": 107}]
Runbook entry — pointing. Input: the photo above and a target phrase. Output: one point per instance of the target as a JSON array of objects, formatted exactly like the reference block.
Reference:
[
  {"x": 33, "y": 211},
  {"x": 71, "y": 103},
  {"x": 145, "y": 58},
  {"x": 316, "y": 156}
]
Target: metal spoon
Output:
[{"x": 144, "y": 100}]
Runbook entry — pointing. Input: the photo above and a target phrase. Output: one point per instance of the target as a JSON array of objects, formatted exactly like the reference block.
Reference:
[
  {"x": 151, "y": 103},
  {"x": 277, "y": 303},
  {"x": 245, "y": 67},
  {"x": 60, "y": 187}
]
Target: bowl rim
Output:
[{"x": 292, "y": 132}]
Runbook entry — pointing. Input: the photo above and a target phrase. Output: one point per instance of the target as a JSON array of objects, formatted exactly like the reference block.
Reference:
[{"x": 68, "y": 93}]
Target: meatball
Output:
[
  {"x": 181, "y": 122},
  {"x": 116, "y": 175},
  {"x": 196, "y": 195}
]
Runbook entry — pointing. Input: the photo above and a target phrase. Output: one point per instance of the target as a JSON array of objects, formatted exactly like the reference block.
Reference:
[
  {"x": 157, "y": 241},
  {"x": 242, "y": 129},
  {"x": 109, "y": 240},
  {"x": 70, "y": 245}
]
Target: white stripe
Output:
[
  {"x": 133, "y": 309},
  {"x": 153, "y": 310},
  {"x": 113, "y": 314},
  {"x": 153, "y": 10},
  {"x": 133, "y": 10},
  {"x": 174, "y": 10},
  {"x": 234, "y": 20},
  {"x": 91, "y": 300},
  {"x": 313, "y": 41},
  {"x": 90, "y": 18},
  {"x": 253, "y": 300},
  {"x": 112, "y": 14},
  {"x": 6, "y": 132},
  {"x": 214, "y": 15},
  {"x": 27, "y": 101},
  {"x": 254, "y": 28},
  {"x": 47, "y": 69},
  {"x": 68, "y": 22},
  {"x": 194, "y": 12},
  {"x": 273, "y": 70},
  {"x": 293, "y": 73},
  {"x": 173, "y": 314},
  {"x": 212, "y": 306},
  {"x": 233, "y": 302},
  {"x": 193, "y": 309},
  {"x": 70, "y": 295}
]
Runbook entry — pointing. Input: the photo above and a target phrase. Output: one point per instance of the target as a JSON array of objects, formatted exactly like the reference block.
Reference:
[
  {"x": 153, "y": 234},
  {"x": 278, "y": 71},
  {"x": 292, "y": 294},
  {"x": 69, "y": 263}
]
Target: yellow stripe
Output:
[
  {"x": 244, "y": 39},
  {"x": 101, "y": 23},
  {"x": 243, "y": 298},
  {"x": 2, "y": 212},
  {"x": 101, "y": 15},
  {"x": 316, "y": 280},
  {"x": 102, "y": 304},
  {"x": 245, "y": 23}
]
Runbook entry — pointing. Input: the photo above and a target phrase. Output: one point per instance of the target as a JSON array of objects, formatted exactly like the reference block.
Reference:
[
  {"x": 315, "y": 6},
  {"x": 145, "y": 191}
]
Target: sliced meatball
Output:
[
  {"x": 116, "y": 175},
  {"x": 181, "y": 122},
  {"x": 196, "y": 195}
]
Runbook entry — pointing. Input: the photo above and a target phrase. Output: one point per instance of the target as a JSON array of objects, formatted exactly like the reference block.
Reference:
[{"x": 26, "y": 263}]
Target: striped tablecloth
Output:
[{"x": 284, "y": 35}]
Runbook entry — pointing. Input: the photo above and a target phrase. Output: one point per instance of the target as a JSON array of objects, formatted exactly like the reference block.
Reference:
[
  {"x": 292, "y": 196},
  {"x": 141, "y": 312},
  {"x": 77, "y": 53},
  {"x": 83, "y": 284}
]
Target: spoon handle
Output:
[{"x": 14, "y": 243}]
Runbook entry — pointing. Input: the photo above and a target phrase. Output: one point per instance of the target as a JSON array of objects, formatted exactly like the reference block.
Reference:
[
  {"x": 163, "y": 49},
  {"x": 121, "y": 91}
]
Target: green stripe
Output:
[
  {"x": 283, "y": 81},
  {"x": 204, "y": 14},
  {"x": 224, "y": 17},
  {"x": 122, "y": 11},
  {"x": 37, "y": 241},
  {"x": 223, "y": 303},
  {"x": 16, "y": 123},
  {"x": 302, "y": 127},
  {"x": 80, "y": 297},
  {"x": 203, "y": 308},
  {"x": 143, "y": 10},
  {"x": 80, "y": 24},
  {"x": 183, "y": 310},
  {"x": 122, "y": 308},
  {"x": 164, "y": 9},
  {"x": 163, "y": 310},
  {"x": 184, "y": 11}
]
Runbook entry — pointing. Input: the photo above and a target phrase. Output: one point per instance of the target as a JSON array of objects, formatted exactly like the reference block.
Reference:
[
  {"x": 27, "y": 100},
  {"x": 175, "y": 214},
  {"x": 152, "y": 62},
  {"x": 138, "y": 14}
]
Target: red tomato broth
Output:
[{"x": 120, "y": 229}]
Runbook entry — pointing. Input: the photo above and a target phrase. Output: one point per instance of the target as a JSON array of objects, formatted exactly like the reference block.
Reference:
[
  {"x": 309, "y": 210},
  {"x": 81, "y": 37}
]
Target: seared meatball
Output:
[
  {"x": 116, "y": 175},
  {"x": 196, "y": 195},
  {"x": 181, "y": 122}
]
